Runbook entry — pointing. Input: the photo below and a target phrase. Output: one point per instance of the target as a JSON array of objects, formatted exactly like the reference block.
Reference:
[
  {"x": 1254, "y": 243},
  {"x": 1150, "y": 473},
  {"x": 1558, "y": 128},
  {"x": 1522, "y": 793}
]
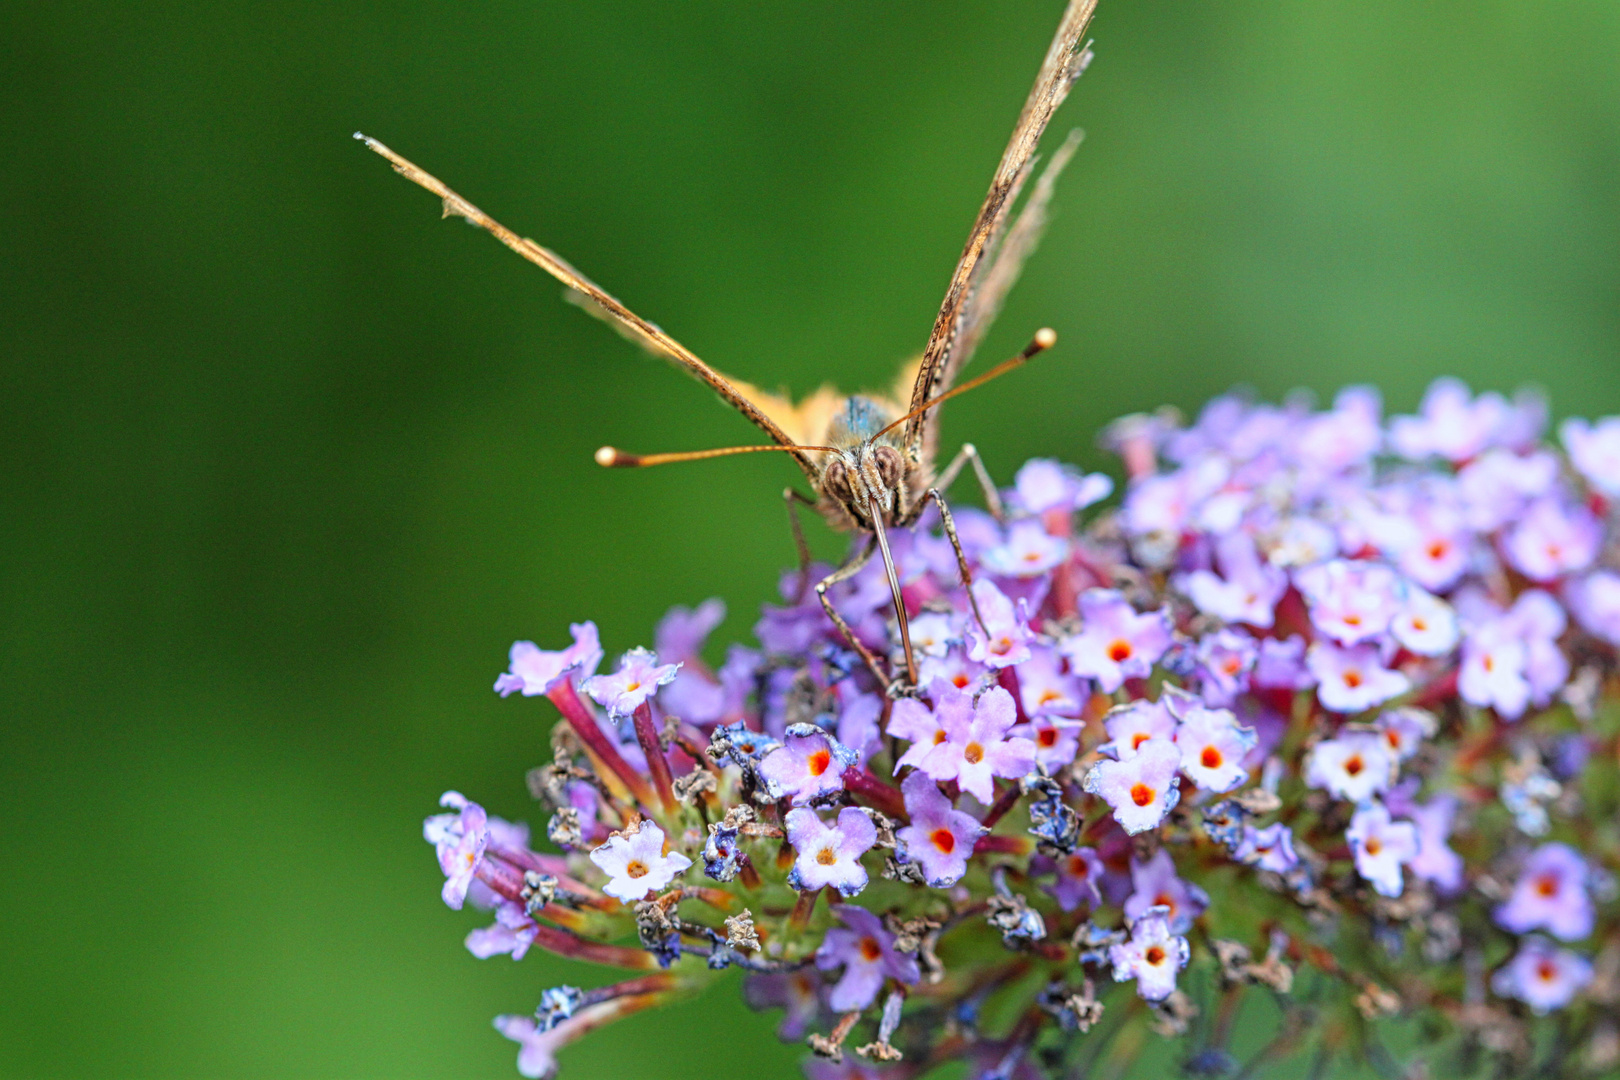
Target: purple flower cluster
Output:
[{"x": 1328, "y": 699}]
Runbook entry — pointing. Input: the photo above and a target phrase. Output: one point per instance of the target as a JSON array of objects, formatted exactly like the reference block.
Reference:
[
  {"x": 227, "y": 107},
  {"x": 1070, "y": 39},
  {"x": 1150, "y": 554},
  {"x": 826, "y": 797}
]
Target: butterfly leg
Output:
[
  {"x": 956, "y": 545},
  {"x": 794, "y": 499},
  {"x": 970, "y": 453},
  {"x": 843, "y": 573}
]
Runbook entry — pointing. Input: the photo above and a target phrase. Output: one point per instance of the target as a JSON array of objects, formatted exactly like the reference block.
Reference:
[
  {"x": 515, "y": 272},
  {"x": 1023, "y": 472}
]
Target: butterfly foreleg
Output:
[
  {"x": 794, "y": 499},
  {"x": 970, "y": 453},
  {"x": 956, "y": 544},
  {"x": 843, "y": 573}
]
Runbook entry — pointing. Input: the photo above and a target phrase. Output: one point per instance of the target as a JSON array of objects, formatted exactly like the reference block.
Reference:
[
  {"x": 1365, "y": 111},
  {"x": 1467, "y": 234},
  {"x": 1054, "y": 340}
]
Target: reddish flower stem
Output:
[
  {"x": 1005, "y": 802},
  {"x": 1011, "y": 845},
  {"x": 563, "y": 943},
  {"x": 802, "y": 909},
  {"x": 877, "y": 794},
  {"x": 657, "y": 762},
  {"x": 579, "y": 717}
]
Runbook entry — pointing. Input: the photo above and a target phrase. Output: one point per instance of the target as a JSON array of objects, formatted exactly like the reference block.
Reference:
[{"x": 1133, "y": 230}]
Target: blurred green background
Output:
[{"x": 288, "y": 463}]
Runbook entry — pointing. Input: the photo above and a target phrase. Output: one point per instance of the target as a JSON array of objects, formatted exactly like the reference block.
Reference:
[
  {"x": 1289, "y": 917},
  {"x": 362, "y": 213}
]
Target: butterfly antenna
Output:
[
  {"x": 612, "y": 458},
  {"x": 1044, "y": 339}
]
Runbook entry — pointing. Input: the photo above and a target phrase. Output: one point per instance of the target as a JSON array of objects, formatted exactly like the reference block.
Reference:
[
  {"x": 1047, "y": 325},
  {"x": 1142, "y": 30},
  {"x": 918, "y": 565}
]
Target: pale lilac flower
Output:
[
  {"x": 635, "y": 863},
  {"x": 1007, "y": 623},
  {"x": 1142, "y": 788},
  {"x": 829, "y": 856},
  {"x": 1346, "y": 435},
  {"x": 1270, "y": 848},
  {"x": 1381, "y": 847},
  {"x": 1553, "y": 539},
  {"x": 459, "y": 840},
  {"x": 1594, "y": 450},
  {"x": 1433, "y": 546},
  {"x": 1281, "y": 665},
  {"x": 1550, "y": 895},
  {"x": 1350, "y": 680},
  {"x": 954, "y": 669},
  {"x": 534, "y": 671},
  {"x": 1405, "y": 729},
  {"x": 1355, "y": 766},
  {"x": 1213, "y": 745},
  {"x": 1115, "y": 643},
  {"x": 1350, "y": 600},
  {"x": 1129, "y": 726},
  {"x": 537, "y": 1053},
  {"x": 940, "y": 838},
  {"x": 512, "y": 933},
  {"x": 1497, "y": 486},
  {"x": 859, "y": 727},
  {"x": 977, "y": 747},
  {"x": 1542, "y": 975},
  {"x": 910, "y": 719},
  {"x": 638, "y": 678},
  {"x": 1301, "y": 541},
  {"x": 808, "y": 764},
  {"x": 1492, "y": 671},
  {"x": 1043, "y": 687},
  {"x": 1043, "y": 485},
  {"x": 796, "y": 992},
  {"x": 1436, "y": 862},
  {"x": 1224, "y": 661},
  {"x": 934, "y": 632},
  {"x": 1453, "y": 424},
  {"x": 1595, "y": 602},
  {"x": 1247, "y": 590},
  {"x": 1077, "y": 876},
  {"x": 865, "y": 950},
  {"x": 1152, "y": 956},
  {"x": 682, "y": 631},
  {"x": 1154, "y": 883},
  {"x": 1056, "y": 740},
  {"x": 1028, "y": 551},
  {"x": 1426, "y": 624}
]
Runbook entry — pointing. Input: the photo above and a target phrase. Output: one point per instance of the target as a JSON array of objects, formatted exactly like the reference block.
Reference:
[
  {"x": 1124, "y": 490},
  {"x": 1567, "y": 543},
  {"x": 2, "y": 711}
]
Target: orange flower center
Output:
[
  {"x": 1373, "y": 845},
  {"x": 944, "y": 840},
  {"x": 817, "y": 761},
  {"x": 1546, "y": 971},
  {"x": 1119, "y": 651},
  {"x": 1078, "y": 867},
  {"x": 870, "y": 950},
  {"x": 1353, "y": 765},
  {"x": 1138, "y": 739},
  {"x": 1141, "y": 794},
  {"x": 1154, "y": 955},
  {"x": 1352, "y": 678},
  {"x": 636, "y": 869},
  {"x": 973, "y": 752},
  {"x": 1547, "y": 885},
  {"x": 1047, "y": 737},
  {"x": 826, "y": 856},
  {"x": 1210, "y": 758}
]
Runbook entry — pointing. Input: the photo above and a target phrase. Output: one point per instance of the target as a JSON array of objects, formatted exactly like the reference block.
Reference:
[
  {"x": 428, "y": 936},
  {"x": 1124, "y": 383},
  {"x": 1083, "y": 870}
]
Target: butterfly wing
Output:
[
  {"x": 597, "y": 300},
  {"x": 1062, "y": 65}
]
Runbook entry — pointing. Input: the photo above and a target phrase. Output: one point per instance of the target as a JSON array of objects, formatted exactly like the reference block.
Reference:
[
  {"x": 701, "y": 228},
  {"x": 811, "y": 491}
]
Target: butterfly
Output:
[{"x": 870, "y": 459}]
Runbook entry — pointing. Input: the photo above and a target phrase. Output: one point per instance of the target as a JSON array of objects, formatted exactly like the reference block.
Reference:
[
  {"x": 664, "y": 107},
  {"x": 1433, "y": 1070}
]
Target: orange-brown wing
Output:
[
  {"x": 596, "y": 299},
  {"x": 1057, "y": 74},
  {"x": 806, "y": 423}
]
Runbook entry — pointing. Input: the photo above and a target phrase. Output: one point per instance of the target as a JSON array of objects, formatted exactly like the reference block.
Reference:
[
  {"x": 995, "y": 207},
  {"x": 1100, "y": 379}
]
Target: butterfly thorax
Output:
[{"x": 869, "y": 472}]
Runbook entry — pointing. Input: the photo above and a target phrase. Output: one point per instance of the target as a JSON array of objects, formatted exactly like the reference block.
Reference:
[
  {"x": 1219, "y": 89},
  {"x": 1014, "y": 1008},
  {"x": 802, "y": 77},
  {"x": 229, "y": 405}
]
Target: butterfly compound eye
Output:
[
  {"x": 835, "y": 481},
  {"x": 890, "y": 466}
]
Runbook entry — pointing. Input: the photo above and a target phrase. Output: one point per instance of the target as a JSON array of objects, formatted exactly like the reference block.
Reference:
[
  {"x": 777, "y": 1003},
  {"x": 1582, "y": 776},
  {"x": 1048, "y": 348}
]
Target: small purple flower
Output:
[
  {"x": 1355, "y": 766},
  {"x": 1005, "y": 638},
  {"x": 1224, "y": 661},
  {"x": 807, "y": 764},
  {"x": 1142, "y": 788},
  {"x": 1281, "y": 665},
  {"x": 1405, "y": 729},
  {"x": 1056, "y": 740},
  {"x": 1028, "y": 551},
  {"x": 940, "y": 838},
  {"x": 1115, "y": 643},
  {"x": 1350, "y": 601},
  {"x": 1152, "y": 956},
  {"x": 1594, "y": 450},
  {"x": 829, "y": 856},
  {"x": 1213, "y": 745},
  {"x": 1550, "y": 895},
  {"x": 1542, "y": 976},
  {"x": 1436, "y": 862},
  {"x": 1354, "y": 679},
  {"x": 977, "y": 747},
  {"x": 512, "y": 933},
  {"x": 912, "y": 720},
  {"x": 796, "y": 992},
  {"x": 1453, "y": 425},
  {"x": 638, "y": 678},
  {"x": 1595, "y": 602},
  {"x": 534, "y": 671},
  {"x": 1155, "y": 884},
  {"x": 458, "y": 840},
  {"x": 1077, "y": 876},
  {"x": 1043, "y": 687},
  {"x": 1553, "y": 539},
  {"x": 1247, "y": 590},
  {"x": 1381, "y": 847},
  {"x": 1496, "y": 487},
  {"x": 1044, "y": 485},
  {"x": 1492, "y": 671},
  {"x": 537, "y": 1054},
  {"x": 934, "y": 632},
  {"x": 682, "y": 631},
  {"x": 1426, "y": 624},
  {"x": 1129, "y": 726},
  {"x": 865, "y": 950},
  {"x": 635, "y": 862},
  {"x": 1270, "y": 848}
]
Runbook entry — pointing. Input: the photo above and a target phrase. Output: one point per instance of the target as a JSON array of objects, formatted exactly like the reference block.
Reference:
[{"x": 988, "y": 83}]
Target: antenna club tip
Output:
[
  {"x": 1045, "y": 338},
  {"x": 607, "y": 457},
  {"x": 360, "y": 135}
]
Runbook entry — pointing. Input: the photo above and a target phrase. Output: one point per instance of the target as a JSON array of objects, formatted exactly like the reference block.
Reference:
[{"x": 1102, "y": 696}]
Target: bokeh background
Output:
[{"x": 288, "y": 462}]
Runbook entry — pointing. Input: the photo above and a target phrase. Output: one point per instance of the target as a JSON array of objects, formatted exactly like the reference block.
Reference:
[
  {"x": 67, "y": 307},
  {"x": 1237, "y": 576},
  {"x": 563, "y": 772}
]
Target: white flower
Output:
[
  {"x": 1381, "y": 847},
  {"x": 1355, "y": 766},
  {"x": 635, "y": 862},
  {"x": 1152, "y": 956}
]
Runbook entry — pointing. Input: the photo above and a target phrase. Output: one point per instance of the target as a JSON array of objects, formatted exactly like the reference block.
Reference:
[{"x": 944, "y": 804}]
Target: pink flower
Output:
[
  {"x": 1247, "y": 591},
  {"x": 512, "y": 933},
  {"x": 1129, "y": 726},
  {"x": 1155, "y": 884},
  {"x": 635, "y": 862},
  {"x": 808, "y": 764},
  {"x": 1595, "y": 602},
  {"x": 1542, "y": 976},
  {"x": 534, "y": 672},
  {"x": 1553, "y": 539},
  {"x": 1381, "y": 847},
  {"x": 1152, "y": 956},
  {"x": 1115, "y": 643},
  {"x": 1142, "y": 788},
  {"x": 940, "y": 838},
  {"x": 865, "y": 950},
  {"x": 1044, "y": 485},
  {"x": 1213, "y": 745},
  {"x": 976, "y": 747},
  {"x": 1350, "y": 680},
  {"x": 1454, "y": 425},
  {"x": 638, "y": 678},
  {"x": 1355, "y": 766},
  {"x": 829, "y": 856},
  {"x": 1426, "y": 624},
  {"x": 1045, "y": 689},
  {"x": 1435, "y": 861},
  {"x": 458, "y": 840},
  {"x": 912, "y": 720},
  {"x": 1350, "y": 601},
  {"x": 1004, "y": 640},
  {"x": 1594, "y": 450},
  {"x": 1029, "y": 551},
  {"x": 1550, "y": 895},
  {"x": 1077, "y": 876}
]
